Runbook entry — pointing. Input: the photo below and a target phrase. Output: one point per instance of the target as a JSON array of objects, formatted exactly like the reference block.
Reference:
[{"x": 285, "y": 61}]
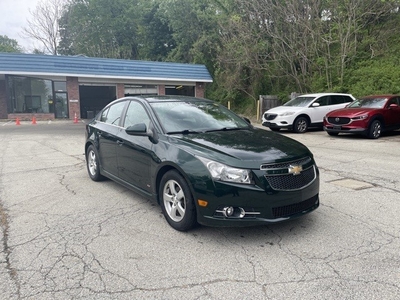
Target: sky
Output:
[{"x": 13, "y": 17}]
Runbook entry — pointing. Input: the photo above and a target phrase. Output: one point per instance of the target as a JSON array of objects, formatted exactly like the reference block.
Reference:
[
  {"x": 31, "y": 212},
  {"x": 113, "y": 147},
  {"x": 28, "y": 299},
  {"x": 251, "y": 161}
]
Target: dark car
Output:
[
  {"x": 201, "y": 162},
  {"x": 369, "y": 116}
]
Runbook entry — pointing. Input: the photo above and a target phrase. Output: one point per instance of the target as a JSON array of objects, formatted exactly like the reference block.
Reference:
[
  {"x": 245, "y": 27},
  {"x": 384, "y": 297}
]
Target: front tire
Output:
[
  {"x": 300, "y": 125},
  {"x": 375, "y": 129},
  {"x": 92, "y": 164},
  {"x": 177, "y": 202}
]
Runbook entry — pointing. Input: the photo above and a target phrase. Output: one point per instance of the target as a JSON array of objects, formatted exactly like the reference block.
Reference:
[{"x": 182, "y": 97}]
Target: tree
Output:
[
  {"x": 9, "y": 45},
  {"x": 43, "y": 25},
  {"x": 100, "y": 28}
]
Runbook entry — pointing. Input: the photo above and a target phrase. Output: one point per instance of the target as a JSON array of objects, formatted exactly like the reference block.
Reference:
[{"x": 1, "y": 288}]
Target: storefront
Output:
[{"x": 57, "y": 87}]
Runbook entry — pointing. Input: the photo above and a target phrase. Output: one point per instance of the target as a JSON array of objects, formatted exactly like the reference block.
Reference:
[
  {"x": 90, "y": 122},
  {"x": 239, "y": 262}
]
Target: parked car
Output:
[
  {"x": 369, "y": 116},
  {"x": 201, "y": 162},
  {"x": 304, "y": 111}
]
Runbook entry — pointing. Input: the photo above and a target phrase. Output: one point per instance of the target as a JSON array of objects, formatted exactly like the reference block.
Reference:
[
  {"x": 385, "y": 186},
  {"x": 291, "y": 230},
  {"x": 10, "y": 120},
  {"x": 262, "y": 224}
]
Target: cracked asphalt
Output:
[{"x": 64, "y": 236}]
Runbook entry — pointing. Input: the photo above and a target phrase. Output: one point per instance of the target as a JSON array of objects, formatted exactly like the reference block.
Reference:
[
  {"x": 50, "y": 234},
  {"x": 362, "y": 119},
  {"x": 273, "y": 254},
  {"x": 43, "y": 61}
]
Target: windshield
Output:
[
  {"x": 378, "y": 102},
  {"x": 191, "y": 117},
  {"x": 300, "y": 101}
]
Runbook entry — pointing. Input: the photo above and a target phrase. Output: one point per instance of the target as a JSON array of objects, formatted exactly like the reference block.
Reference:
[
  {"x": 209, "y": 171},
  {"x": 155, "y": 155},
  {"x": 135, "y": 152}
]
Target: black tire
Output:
[
  {"x": 333, "y": 133},
  {"x": 177, "y": 202},
  {"x": 275, "y": 129},
  {"x": 92, "y": 164},
  {"x": 300, "y": 125},
  {"x": 375, "y": 129}
]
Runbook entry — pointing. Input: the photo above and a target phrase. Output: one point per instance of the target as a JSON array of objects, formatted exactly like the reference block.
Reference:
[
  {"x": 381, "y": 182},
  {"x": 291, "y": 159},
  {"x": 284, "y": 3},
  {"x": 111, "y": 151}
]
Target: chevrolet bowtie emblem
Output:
[{"x": 295, "y": 170}]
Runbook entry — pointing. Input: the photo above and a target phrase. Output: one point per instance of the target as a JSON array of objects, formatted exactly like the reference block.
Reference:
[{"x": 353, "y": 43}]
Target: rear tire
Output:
[
  {"x": 177, "y": 202},
  {"x": 300, "y": 125},
  {"x": 375, "y": 129}
]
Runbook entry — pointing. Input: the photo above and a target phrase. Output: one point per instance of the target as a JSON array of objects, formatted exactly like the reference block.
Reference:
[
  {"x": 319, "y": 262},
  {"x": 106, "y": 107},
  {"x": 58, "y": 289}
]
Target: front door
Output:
[{"x": 61, "y": 106}]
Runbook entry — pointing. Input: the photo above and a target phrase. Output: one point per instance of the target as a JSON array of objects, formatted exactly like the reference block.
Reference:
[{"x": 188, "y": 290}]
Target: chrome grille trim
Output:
[
  {"x": 280, "y": 179},
  {"x": 286, "y": 164},
  {"x": 270, "y": 117},
  {"x": 339, "y": 120},
  {"x": 290, "y": 182}
]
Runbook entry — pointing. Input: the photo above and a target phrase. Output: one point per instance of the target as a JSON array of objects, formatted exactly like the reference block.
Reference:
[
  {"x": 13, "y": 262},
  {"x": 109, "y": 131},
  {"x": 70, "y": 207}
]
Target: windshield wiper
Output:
[
  {"x": 226, "y": 129},
  {"x": 186, "y": 131}
]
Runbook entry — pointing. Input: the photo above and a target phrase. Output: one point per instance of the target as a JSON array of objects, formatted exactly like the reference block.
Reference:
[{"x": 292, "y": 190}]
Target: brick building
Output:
[{"x": 52, "y": 87}]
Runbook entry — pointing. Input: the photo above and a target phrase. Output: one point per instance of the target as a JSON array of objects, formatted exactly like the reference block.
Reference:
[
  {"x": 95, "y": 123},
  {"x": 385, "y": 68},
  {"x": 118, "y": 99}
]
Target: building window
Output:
[
  {"x": 60, "y": 86},
  {"x": 29, "y": 95}
]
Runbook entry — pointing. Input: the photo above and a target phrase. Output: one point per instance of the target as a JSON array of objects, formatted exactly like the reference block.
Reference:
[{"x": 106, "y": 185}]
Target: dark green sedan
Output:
[{"x": 201, "y": 162}]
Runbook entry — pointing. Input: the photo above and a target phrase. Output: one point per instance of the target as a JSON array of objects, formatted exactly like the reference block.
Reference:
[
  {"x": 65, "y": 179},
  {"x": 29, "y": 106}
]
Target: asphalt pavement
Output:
[{"x": 64, "y": 236}]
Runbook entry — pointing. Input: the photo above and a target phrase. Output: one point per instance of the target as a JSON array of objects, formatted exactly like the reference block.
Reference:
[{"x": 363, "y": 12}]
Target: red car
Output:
[{"x": 370, "y": 116}]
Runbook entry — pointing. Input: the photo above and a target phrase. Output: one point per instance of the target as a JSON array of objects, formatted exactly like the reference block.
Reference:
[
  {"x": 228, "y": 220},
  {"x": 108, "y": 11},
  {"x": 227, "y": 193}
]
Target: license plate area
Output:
[{"x": 337, "y": 127}]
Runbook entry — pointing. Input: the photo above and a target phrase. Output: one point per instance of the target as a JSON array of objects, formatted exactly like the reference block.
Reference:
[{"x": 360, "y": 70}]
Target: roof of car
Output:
[
  {"x": 324, "y": 94},
  {"x": 381, "y": 96},
  {"x": 172, "y": 98}
]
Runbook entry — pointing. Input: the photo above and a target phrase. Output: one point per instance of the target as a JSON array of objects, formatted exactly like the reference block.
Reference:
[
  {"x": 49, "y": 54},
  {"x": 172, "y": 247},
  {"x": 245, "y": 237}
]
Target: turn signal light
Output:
[{"x": 202, "y": 203}]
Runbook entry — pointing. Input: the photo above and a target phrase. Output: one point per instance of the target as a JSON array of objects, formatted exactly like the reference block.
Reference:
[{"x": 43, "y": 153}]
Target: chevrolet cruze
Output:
[{"x": 201, "y": 162}]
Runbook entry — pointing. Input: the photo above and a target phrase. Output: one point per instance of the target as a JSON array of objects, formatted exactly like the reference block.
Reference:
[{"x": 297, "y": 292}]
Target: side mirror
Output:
[
  {"x": 315, "y": 104},
  {"x": 247, "y": 120},
  {"x": 393, "y": 105},
  {"x": 137, "y": 129}
]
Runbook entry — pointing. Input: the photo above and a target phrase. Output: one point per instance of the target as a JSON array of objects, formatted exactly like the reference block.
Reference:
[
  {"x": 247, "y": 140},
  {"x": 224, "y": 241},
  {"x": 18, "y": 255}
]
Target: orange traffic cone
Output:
[
  {"x": 75, "y": 119},
  {"x": 17, "y": 122},
  {"x": 34, "y": 120}
]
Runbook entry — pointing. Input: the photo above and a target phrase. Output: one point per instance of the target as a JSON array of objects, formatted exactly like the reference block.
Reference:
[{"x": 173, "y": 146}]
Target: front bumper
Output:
[
  {"x": 255, "y": 206},
  {"x": 344, "y": 129},
  {"x": 275, "y": 125},
  {"x": 282, "y": 122}
]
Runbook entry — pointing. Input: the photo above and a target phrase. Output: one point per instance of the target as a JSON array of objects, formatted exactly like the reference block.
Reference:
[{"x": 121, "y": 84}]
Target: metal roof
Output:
[{"x": 82, "y": 66}]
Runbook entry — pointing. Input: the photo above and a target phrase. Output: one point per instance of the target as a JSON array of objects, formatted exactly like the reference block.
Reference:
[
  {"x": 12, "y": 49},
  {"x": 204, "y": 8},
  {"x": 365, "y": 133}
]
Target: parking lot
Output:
[{"x": 64, "y": 236}]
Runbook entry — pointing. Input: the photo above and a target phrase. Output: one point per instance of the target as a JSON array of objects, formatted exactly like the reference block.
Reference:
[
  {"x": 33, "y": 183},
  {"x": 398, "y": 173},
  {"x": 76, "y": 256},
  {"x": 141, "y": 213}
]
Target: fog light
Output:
[{"x": 228, "y": 211}]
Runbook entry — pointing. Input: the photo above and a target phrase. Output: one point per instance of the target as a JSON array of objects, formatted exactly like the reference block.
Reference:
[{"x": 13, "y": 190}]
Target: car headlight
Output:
[
  {"x": 288, "y": 113},
  {"x": 223, "y": 172},
  {"x": 362, "y": 117}
]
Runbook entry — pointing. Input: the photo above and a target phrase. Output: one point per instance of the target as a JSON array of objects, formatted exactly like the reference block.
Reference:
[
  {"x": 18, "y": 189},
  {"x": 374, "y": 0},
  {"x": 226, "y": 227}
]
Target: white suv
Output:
[{"x": 304, "y": 111}]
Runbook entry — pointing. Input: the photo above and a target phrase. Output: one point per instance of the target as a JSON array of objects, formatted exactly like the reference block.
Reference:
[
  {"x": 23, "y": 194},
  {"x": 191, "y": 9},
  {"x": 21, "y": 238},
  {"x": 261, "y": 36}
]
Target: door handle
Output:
[{"x": 120, "y": 143}]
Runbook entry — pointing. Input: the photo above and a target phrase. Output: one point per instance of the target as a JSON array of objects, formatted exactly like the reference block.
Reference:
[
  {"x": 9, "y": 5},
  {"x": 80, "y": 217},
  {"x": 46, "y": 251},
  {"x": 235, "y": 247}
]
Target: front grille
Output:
[
  {"x": 288, "y": 210},
  {"x": 270, "y": 117},
  {"x": 288, "y": 182},
  {"x": 287, "y": 164},
  {"x": 338, "y": 120}
]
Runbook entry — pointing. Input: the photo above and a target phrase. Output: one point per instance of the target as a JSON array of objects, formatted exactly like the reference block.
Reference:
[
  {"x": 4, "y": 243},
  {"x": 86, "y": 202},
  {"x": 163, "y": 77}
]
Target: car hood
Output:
[
  {"x": 350, "y": 112},
  {"x": 242, "y": 148},
  {"x": 282, "y": 109}
]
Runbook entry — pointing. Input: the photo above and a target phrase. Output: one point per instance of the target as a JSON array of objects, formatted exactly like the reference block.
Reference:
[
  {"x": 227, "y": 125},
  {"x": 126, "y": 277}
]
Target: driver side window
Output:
[
  {"x": 322, "y": 101},
  {"x": 136, "y": 114},
  {"x": 113, "y": 114}
]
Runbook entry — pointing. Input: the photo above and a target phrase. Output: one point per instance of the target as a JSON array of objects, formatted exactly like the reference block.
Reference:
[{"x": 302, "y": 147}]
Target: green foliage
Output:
[
  {"x": 376, "y": 76},
  {"x": 251, "y": 48},
  {"x": 9, "y": 45}
]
